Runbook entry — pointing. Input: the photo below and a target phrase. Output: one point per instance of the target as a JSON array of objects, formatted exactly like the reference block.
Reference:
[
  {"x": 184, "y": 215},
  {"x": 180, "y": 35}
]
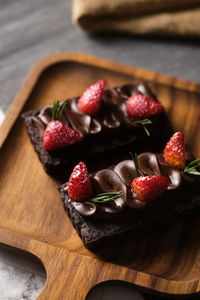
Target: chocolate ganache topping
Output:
[
  {"x": 112, "y": 114},
  {"x": 120, "y": 177}
]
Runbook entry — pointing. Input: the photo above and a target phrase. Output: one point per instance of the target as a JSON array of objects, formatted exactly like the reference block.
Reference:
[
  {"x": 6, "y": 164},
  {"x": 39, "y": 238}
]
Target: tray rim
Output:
[
  {"x": 150, "y": 281},
  {"x": 27, "y": 86},
  {"x": 146, "y": 280}
]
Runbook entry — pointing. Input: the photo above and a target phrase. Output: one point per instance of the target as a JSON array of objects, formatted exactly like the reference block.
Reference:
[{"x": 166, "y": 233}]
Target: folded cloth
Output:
[{"x": 152, "y": 17}]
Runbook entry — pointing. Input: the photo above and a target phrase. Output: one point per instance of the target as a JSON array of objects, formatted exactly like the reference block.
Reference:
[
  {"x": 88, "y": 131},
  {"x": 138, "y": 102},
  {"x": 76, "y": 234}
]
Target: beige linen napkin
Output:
[{"x": 155, "y": 17}]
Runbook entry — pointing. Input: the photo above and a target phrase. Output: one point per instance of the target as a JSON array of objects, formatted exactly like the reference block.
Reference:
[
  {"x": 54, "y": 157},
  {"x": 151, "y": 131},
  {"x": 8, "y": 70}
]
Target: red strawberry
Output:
[
  {"x": 141, "y": 107},
  {"x": 174, "y": 152},
  {"x": 147, "y": 188},
  {"x": 80, "y": 185},
  {"x": 90, "y": 101},
  {"x": 58, "y": 135}
]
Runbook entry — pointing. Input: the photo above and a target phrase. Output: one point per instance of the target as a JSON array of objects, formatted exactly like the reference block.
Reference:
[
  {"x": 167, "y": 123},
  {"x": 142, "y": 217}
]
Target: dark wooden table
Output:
[{"x": 30, "y": 30}]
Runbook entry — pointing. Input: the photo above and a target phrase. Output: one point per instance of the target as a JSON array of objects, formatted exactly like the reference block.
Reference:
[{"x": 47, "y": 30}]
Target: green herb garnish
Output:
[
  {"x": 105, "y": 197},
  {"x": 144, "y": 123},
  {"x": 191, "y": 168},
  {"x": 57, "y": 110},
  {"x": 135, "y": 161}
]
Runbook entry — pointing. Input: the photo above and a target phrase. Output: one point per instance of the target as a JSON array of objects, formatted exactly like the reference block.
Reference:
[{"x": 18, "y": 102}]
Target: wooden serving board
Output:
[{"x": 32, "y": 217}]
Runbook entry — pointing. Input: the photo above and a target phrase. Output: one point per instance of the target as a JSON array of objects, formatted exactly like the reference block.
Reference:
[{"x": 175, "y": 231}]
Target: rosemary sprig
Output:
[
  {"x": 105, "y": 197},
  {"x": 144, "y": 123},
  {"x": 135, "y": 161},
  {"x": 191, "y": 168},
  {"x": 57, "y": 110}
]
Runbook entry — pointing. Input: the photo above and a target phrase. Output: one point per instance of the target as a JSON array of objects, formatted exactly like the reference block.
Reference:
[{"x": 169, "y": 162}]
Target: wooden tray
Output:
[{"x": 32, "y": 217}]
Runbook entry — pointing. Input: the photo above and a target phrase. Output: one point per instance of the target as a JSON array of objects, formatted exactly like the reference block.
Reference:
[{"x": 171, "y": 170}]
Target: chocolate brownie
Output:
[
  {"x": 109, "y": 131},
  {"x": 99, "y": 224}
]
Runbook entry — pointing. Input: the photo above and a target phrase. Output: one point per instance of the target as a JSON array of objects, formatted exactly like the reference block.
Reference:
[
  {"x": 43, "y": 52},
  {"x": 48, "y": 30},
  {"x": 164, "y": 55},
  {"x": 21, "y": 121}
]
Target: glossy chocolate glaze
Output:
[
  {"x": 119, "y": 178},
  {"x": 109, "y": 134},
  {"x": 111, "y": 118}
]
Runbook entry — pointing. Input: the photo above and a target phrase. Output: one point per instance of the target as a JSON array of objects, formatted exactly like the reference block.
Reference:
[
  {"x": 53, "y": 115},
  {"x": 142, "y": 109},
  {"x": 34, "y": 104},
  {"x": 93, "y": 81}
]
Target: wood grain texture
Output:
[{"x": 32, "y": 217}]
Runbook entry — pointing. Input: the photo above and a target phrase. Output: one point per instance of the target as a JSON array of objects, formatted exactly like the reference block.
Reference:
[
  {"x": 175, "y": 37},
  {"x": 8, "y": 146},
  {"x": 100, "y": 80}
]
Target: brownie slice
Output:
[
  {"x": 108, "y": 132},
  {"x": 99, "y": 234},
  {"x": 101, "y": 228}
]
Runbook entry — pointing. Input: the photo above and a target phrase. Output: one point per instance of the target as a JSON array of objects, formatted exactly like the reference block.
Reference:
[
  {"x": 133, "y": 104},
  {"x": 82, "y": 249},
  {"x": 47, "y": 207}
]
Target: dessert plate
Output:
[{"x": 32, "y": 217}]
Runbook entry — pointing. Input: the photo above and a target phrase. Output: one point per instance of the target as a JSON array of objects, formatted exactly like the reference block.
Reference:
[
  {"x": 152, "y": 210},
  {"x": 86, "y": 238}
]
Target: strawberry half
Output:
[
  {"x": 140, "y": 107},
  {"x": 147, "y": 188},
  {"x": 174, "y": 152},
  {"x": 58, "y": 135},
  {"x": 90, "y": 101},
  {"x": 80, "y": 185}
]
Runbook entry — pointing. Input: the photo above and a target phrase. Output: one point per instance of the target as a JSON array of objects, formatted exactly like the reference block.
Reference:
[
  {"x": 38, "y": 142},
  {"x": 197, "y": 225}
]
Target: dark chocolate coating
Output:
[
  {"x": 110, "y": 131},
  {"x": 120, "y": 177},
  {"x": 100, "y": 223}
]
